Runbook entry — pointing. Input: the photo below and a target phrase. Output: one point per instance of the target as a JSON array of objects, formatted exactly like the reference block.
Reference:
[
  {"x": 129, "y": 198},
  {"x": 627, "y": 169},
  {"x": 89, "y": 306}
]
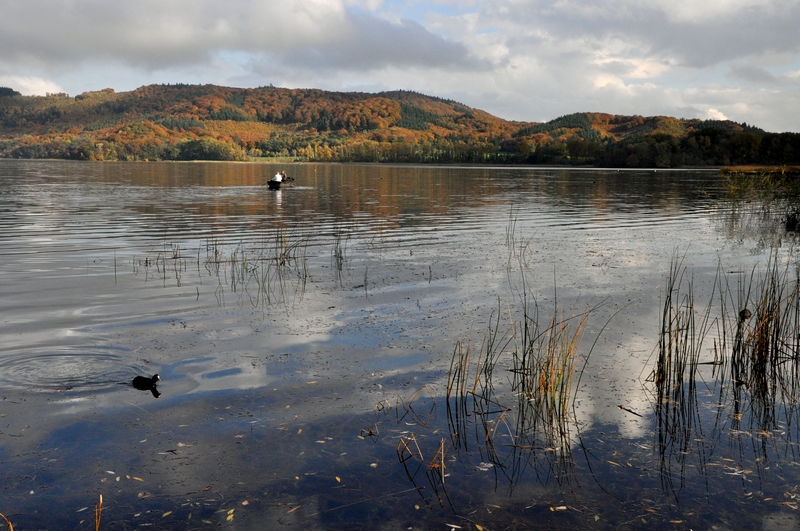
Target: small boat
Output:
[{"x": 275, "y": 184}]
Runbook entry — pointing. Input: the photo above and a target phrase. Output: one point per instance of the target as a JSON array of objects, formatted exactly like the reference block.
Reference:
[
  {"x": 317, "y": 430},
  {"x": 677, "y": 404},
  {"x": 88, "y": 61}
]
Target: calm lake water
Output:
[{"x": 304, "y": 338}]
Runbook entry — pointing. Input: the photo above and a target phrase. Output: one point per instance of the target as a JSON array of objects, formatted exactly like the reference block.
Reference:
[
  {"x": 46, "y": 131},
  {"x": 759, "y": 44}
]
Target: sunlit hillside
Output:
[{"x": 187, "y": 122}]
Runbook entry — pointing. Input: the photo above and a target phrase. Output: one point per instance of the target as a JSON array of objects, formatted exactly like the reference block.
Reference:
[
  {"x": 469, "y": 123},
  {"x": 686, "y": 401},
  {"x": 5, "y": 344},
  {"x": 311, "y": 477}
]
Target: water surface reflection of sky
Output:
[{"x": 325, "y": 298}]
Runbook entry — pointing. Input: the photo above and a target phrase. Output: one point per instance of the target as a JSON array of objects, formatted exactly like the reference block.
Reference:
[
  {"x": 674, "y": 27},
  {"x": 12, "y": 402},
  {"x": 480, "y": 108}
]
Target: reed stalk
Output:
[
  {"x": 98, "y": 511},
  {"x": 8, "y": 522}
]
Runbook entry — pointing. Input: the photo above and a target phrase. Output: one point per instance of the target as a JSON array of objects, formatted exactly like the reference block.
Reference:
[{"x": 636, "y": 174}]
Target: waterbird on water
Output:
[{"x": 143, "y": 383}]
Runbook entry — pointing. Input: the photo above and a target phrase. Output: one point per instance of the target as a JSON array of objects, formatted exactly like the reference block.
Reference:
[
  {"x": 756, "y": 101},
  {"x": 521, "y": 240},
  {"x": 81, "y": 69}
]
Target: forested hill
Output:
[{"x": 186, "y": 122}]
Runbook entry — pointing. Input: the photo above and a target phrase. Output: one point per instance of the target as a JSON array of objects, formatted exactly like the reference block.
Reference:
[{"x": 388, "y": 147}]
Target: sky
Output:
[{"x": 526, "y": 60}]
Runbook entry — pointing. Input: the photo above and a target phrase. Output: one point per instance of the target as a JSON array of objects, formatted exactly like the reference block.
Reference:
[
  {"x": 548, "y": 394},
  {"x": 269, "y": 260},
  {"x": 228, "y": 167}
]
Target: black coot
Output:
[{"x": 143, "y": 383}]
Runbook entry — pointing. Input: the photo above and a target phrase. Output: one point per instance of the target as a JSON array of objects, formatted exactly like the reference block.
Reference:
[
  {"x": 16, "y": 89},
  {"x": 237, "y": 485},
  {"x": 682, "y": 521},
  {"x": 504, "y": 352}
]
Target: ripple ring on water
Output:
[{"x": 74, "y": 370}]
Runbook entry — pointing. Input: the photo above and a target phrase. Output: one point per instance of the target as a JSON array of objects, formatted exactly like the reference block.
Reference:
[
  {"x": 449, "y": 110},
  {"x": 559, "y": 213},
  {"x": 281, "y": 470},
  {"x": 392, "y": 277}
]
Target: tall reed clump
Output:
[
  {"x": 683, "y": 334},
  {"x": 763, "y": 370},
  {"x": 764, "y": 205},
  {"x": 748, "y": 332},
  {"x": 680, "y": 344},
  {"x": 530, "y": 404},
  {"x": 544, "y": 363}
]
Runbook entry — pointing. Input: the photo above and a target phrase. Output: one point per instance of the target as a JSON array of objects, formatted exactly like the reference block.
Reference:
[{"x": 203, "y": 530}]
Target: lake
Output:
[{"x": 305, "y": 339}]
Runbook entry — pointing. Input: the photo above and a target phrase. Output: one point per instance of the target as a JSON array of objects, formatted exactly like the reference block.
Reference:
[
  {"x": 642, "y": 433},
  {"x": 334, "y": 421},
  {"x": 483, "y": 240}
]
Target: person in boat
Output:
[{"x": 278, "y": 177}]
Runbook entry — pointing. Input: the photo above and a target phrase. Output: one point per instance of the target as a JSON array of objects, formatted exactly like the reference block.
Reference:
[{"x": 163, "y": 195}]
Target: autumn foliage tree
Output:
[{"x": 183, "y": 122}]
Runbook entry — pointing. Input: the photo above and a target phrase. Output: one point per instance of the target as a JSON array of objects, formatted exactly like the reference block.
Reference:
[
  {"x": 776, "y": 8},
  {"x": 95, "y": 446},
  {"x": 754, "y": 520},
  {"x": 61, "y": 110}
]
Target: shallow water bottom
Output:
[{"x": 253, "y": 460}]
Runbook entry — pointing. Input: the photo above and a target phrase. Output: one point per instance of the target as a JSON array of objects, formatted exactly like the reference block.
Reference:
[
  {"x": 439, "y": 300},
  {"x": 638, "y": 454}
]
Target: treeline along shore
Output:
[{"x": 207, "y": 122}]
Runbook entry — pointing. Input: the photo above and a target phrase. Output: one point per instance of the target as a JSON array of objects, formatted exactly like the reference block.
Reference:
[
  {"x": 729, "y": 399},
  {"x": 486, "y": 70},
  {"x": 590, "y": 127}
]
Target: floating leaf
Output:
[
  {"x": 479, "y": 527},
  {"x": 245, "y": 503},
  {"x": 293, "y": 509},
  {"x": 137, "y": 479},
  {"x": 239, "y": 437},
  {"x": 166, "y": 514},
  {"x": 321, "y": 442},
  {"x": 230, "y": 517},
  {"x": 299, "y": 431},
  {"x": 338, "y": 480},
  {"x": 312, "y": 383}
]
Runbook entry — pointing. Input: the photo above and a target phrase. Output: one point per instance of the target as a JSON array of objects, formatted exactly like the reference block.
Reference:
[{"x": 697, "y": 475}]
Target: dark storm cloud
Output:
[{"x": 156, "y": 34}]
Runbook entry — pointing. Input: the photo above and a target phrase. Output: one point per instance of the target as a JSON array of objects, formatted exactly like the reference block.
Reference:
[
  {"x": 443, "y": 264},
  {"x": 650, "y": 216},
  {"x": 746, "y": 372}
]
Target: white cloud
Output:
[
  {"x": 715, "y": 114},
  {"x": 30, "y": 86},
  {"x": 519, "y": 59}
]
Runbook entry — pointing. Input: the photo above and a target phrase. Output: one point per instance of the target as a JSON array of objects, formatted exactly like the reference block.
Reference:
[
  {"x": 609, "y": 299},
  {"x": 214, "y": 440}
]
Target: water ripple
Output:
[{"x": 74, "y": 369}]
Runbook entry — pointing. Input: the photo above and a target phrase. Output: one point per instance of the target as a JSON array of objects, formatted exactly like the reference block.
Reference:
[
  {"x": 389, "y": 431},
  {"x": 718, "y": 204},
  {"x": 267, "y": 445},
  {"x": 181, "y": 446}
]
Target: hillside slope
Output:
[{"x": 184, "y": 122}]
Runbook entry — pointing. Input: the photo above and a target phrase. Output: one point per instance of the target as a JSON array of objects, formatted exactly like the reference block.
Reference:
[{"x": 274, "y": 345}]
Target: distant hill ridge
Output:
[{"x": 187, "y": 122}]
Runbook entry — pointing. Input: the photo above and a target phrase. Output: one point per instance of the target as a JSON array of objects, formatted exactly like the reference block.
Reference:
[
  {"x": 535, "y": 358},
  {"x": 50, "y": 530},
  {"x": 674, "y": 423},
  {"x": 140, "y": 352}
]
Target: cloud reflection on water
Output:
[{"x": 427, "y": 264}]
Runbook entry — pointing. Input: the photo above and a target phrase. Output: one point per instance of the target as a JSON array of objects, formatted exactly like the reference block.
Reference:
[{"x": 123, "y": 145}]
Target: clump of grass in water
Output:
[
  {"x": 763, "y": 368},
  {"x": 760, "y": 201},
  {"x": 546, "y": 365},
  {"x": 278, "y": 268},
  {"x": 755, "y": 345},
  {"x": 681, "y": 340}
]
